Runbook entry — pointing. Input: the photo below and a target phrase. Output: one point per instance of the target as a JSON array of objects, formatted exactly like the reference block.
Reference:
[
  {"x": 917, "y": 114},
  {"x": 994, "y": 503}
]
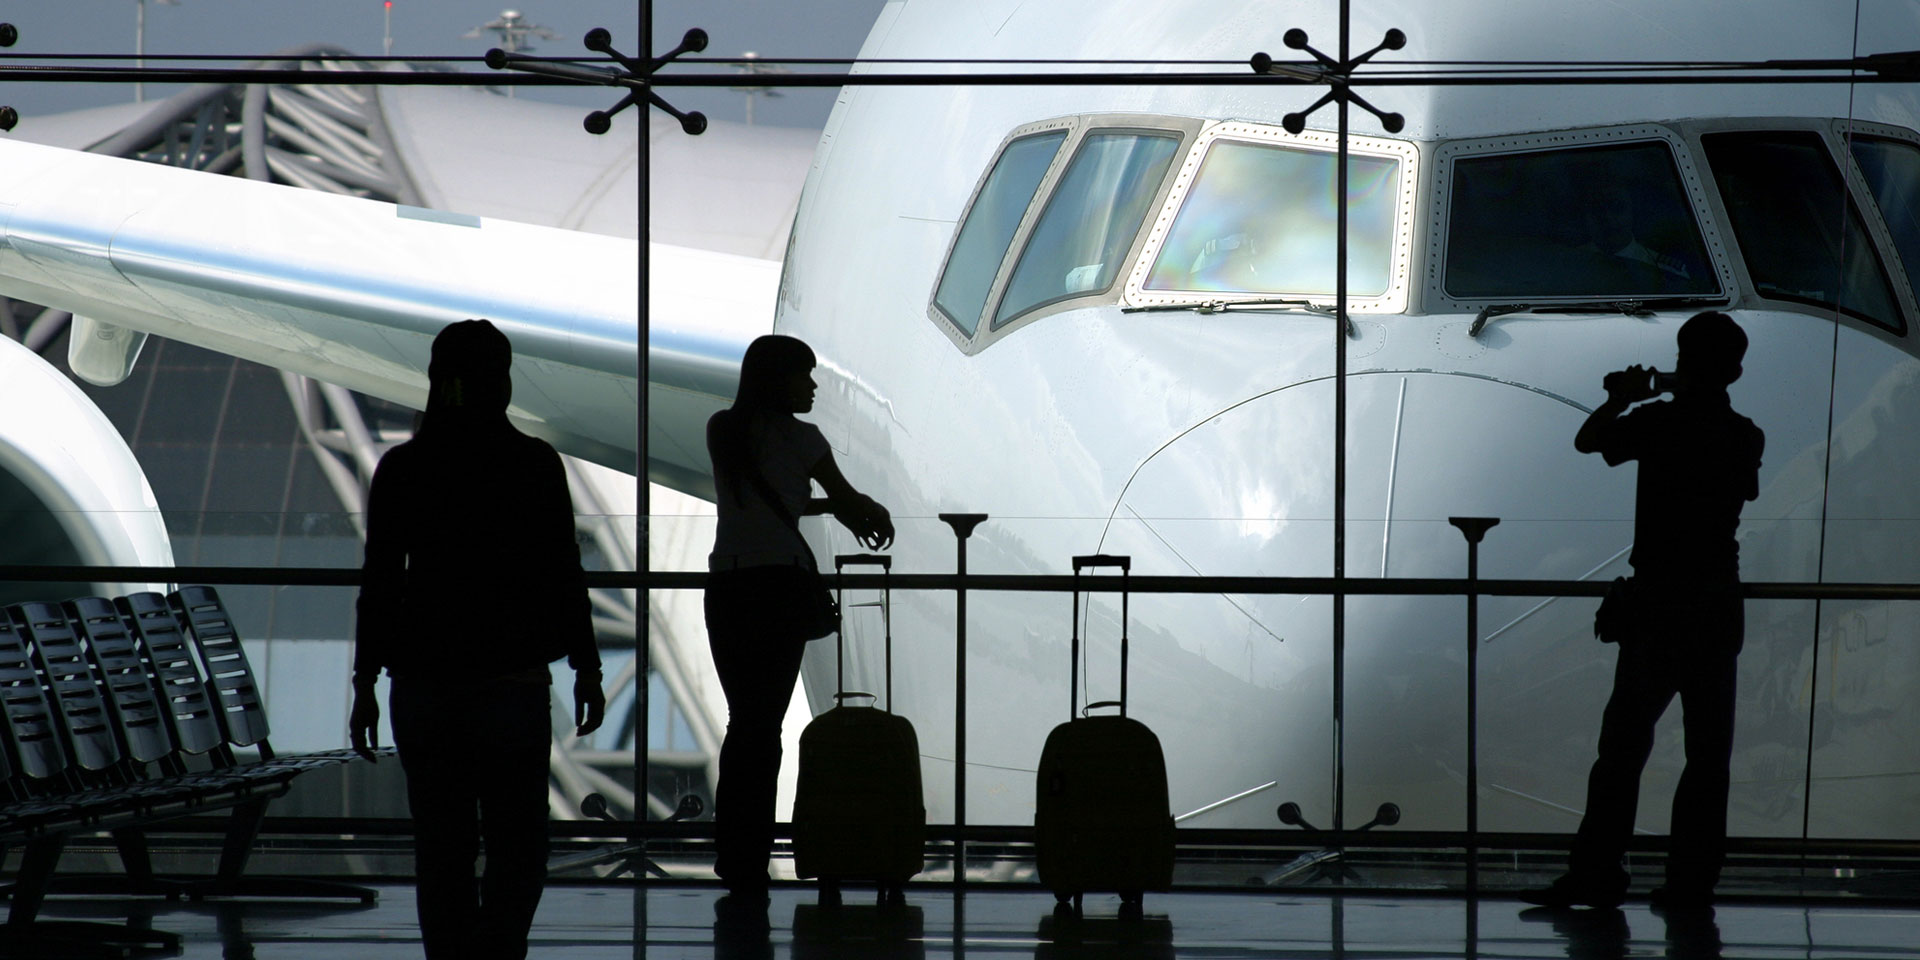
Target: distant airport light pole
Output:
[
  {"x": 140, "y": 42},
  {"x": 513, "y": 28},
  {"x": 750, "y": 65},
  {"x": 386, "y": 32}
]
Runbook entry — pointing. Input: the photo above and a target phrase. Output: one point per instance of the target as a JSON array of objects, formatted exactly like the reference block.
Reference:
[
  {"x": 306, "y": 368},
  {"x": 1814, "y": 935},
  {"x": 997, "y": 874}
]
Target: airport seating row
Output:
[{"x": 119, "y": 714}]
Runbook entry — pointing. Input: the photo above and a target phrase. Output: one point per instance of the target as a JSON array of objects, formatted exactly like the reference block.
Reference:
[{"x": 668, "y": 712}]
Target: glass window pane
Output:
[
  {"x": 1785, "y": 199},
  {"x": 1090, "y": 221},
  {"x": 1260, "y": 219},
  {"x": 1892, "y": 171},
  {"x": 983, "y": 239},
  {"x": 1593, "y": 222}
]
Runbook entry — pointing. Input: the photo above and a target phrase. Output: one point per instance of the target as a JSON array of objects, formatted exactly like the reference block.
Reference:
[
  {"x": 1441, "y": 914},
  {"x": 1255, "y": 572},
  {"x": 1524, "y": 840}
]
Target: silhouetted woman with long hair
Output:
[
  {"x": 765, "y": 461},
  {"x": 472, "y": 586}
]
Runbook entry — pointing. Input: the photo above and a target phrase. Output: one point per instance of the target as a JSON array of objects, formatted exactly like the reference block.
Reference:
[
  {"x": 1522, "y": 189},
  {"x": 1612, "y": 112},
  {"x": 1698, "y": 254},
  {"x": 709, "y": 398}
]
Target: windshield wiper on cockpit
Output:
[
  {"x": 1228, "y": 306},
  {"x": 1222, "y": 306},
  {"x": 1645, "y": 307}
]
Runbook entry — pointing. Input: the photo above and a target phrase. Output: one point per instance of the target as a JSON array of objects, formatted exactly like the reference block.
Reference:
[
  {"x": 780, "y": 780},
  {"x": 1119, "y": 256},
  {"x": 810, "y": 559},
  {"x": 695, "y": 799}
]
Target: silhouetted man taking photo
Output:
[{"x": 1681, "y": 624}]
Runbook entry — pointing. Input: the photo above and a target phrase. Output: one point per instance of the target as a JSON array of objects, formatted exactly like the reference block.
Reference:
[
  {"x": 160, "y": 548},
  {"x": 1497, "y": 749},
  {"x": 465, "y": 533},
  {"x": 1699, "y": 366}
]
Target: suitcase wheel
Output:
[
  {"x": 892, "y": 895},
  {"x": 1132, "y": 905}
]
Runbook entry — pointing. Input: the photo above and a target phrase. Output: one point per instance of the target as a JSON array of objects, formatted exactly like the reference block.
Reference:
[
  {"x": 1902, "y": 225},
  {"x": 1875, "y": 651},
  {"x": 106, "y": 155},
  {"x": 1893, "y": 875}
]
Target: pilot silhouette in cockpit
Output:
[
  {"x": 1679, "y": 622},
  {"x": 1613, "y": 233}
]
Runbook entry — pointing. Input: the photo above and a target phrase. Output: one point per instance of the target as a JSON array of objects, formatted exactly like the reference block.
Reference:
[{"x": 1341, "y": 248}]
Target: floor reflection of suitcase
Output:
[
  {"x": 1102, "y": 820},
  {"x": 857, "y": 932},
  {"x": 858, "y": 812}
]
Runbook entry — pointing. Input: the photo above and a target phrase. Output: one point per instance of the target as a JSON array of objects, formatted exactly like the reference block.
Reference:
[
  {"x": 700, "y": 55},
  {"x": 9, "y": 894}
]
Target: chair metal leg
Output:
[
  {"x": 25, "y": 935},
  {"x": 231, "y": 880}
]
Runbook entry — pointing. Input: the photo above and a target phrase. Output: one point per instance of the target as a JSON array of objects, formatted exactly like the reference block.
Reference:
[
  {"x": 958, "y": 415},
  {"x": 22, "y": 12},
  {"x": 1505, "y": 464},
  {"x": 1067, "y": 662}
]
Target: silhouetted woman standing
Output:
[
  {"x": 764, "y": 461},
  {"x": 472, "y": 587}
]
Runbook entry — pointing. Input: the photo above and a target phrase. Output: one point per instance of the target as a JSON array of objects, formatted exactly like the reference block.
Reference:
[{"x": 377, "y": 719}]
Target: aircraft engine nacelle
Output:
[{"x": 70, "y": 489}]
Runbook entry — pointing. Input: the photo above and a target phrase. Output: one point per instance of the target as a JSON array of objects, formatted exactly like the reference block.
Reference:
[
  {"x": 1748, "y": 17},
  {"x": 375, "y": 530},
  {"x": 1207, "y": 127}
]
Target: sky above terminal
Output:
[{"x": 801, "y": 28}]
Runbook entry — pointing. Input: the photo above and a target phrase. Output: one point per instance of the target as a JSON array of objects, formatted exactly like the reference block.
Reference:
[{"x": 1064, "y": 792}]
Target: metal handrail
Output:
[
  {"x": 1029, "y": 583},
  {"x": 1192, "y": 837},
  {"x": 992, "y": 582}
]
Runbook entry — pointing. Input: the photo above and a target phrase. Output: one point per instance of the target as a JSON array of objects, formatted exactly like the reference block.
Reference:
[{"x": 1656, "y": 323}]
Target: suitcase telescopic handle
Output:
[
  {"x": 1125, "y": 564},
  {"x": 1091, "y": 707},
  {"x": 840, "y": 563}
]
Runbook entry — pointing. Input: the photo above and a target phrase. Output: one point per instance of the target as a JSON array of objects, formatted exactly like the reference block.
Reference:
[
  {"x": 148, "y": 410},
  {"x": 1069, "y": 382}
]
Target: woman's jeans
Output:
[
  {"x": 476, "y": 761},
  {"x": 758, "y": 659}
]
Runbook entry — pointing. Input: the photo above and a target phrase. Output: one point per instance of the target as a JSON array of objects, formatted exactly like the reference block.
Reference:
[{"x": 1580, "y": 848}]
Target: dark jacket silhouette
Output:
[{"x": 472, "y": 585}]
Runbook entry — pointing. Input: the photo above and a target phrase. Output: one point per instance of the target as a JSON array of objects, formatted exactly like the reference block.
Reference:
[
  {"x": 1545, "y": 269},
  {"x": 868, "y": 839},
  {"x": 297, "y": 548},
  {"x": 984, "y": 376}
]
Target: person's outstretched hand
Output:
[
  {"x": 363, "y": 724},
  {"x": 589, "y": 702},
  {"x": 875, "y": 526}
]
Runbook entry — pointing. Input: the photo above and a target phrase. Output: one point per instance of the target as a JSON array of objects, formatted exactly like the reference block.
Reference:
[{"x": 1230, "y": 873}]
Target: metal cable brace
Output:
[
  {"x": 9, "y": 35},
  {"x": 634, "y": 75},
  {"x": 1331, "y": 71}
]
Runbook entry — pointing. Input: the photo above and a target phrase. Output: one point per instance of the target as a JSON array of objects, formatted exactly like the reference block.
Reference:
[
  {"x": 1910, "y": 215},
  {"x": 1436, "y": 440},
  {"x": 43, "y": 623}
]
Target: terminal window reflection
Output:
[
  {"x": 1090, "y": 221},
  {"x": 1782, "y": 191},
  {"x": 1261, "y": 219},
  {"x": 1609, "y": 221},
  {"x": 983, "y": 240}
]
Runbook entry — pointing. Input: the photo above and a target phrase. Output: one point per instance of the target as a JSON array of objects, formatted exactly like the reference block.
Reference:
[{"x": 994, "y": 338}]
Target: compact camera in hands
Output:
[{"x": 1640, "y": 383}]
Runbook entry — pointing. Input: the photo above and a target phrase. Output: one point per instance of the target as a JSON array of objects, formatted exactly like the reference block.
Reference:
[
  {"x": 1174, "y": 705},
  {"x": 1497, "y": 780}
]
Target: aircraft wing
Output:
[
  {"x": 705, "y": 308},
  {"x": 352, "y": 291}
]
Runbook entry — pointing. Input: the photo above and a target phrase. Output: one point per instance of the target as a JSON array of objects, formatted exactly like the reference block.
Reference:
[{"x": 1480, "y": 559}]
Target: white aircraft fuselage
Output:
[{"x": 1203, "y": 442}]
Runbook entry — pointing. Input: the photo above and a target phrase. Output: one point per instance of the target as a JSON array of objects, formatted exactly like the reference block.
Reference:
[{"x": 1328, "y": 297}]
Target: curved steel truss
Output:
[{"x": 334, "y": 138}]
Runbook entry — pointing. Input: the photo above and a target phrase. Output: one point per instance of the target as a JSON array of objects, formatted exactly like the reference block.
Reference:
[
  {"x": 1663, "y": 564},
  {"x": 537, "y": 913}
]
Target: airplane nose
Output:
[{"x": 1250, "y": 492}]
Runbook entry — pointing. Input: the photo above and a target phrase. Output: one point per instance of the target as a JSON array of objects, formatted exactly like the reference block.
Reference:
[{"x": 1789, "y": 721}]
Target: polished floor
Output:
[{"x": 670, "y": 922}]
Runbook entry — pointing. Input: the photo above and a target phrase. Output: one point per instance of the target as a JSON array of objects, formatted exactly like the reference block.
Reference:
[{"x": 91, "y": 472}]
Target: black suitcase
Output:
[
  {"x": 1102, "y": 819},
  {"x": 858, "y": 811}
]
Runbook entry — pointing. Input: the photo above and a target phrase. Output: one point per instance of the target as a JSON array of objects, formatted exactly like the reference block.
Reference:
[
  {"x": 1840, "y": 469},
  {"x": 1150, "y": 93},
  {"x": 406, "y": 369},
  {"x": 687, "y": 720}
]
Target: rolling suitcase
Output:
[
  {"x": 858, "y": 813},
  {"x": 1102, "y": 819}
]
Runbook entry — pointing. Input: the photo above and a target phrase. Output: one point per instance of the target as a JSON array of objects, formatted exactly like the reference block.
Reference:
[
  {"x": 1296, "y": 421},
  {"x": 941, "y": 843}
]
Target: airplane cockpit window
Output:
[
  {"x": 1892, "y": 171},
  {"x": 1592, "y": 222},
  {"x": 1260, "y": 219},
  {"x": 991, "y": 222},
  {"x": 1090, "y": 222},
  {"x": 1781, "y": 190}
]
